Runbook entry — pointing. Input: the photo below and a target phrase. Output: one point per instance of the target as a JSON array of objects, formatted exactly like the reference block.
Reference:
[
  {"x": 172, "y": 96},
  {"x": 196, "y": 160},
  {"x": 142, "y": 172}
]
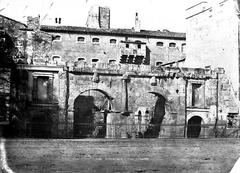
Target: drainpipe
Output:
[
  {"x": 66, "y": 99},
  {"x": 216, "y": 121},
  {"x": 125, "y": 79},
  {"x": 185, "y": 100}
]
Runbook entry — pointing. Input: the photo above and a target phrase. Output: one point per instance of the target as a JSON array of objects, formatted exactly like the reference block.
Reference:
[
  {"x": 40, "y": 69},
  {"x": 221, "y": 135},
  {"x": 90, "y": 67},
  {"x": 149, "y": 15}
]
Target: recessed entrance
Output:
[
  {"x": 194, "y": 127},
  {"x": 89, "y": 114}
]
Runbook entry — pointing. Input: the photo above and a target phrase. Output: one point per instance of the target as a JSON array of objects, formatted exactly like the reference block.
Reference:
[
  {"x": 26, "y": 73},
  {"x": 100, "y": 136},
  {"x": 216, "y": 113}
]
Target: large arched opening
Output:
[
  {"x": 154, "y": 114},
  {"x": 90, "y": 113},
  {"x": 194, "y": 127}
]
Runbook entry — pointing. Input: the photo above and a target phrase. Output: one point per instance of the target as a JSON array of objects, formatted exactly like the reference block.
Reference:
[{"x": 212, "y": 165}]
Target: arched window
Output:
[
  {"x": 159, "y": 44},
  {"x": 172, "y": 44},
  {"x": 113, "y": 41},
  {"x": 81, "y": 39},
  {"x": 95, "y": 40}
]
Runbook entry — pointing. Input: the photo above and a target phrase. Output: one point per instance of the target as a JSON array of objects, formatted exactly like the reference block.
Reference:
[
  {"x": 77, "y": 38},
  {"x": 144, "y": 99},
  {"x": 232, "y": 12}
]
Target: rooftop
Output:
[{"x": 120, "y": 32}]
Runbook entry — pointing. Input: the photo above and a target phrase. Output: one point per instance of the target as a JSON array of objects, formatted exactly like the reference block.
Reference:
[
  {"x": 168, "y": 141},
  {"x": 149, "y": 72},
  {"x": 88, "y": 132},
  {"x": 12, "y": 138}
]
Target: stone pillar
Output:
[{"x": 110, "y": 129}]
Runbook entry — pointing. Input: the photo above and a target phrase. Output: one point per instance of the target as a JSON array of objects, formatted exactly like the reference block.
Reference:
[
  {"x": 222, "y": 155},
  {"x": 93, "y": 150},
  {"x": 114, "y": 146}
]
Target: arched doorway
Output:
[
  {"x": 90, "y": 113},
  {"x": 157, "y": 115},
  {"x": 194, "y": 127}
]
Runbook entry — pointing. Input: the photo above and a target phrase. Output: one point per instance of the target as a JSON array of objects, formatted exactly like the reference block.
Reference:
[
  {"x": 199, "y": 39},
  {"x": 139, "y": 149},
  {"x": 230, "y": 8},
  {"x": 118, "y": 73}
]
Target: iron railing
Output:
[{"x": 103, "y": 130}]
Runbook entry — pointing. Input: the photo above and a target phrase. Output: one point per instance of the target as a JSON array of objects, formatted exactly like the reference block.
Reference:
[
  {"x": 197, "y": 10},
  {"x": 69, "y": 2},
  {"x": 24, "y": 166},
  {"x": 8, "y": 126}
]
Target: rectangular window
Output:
[
  {"x": 43, "y": 89},
  {"x": 197, "y": 95}
]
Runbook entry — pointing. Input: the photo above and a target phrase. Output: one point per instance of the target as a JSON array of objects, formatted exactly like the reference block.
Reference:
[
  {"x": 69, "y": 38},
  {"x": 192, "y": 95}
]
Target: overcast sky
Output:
[{"x": 154, "y": 14}]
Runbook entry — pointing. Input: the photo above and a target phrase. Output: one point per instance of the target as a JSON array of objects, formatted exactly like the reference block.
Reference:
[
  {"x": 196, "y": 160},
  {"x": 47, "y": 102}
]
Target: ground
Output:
[{"x": 125, "y": 155}]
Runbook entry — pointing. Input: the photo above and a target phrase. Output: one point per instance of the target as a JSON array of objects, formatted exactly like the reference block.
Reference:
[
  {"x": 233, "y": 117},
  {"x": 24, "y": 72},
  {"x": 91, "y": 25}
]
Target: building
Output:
[
  {"x": 213, "y": 37},
  {"x": 102, "y": 82}
]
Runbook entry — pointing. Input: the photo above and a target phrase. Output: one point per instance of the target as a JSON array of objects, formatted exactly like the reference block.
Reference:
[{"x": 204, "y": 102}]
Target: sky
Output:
[{"x": 154, "y": 14}]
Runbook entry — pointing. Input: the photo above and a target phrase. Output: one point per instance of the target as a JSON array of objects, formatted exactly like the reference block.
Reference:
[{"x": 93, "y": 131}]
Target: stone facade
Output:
[{"x": 87, "y": 82}]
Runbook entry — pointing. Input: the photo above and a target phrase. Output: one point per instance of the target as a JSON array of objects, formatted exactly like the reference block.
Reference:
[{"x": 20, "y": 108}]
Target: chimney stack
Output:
[
  {"x": 98, "y": 17},
  {"x": 137, "y": 23},
  {"x": 104, "y": 17}
]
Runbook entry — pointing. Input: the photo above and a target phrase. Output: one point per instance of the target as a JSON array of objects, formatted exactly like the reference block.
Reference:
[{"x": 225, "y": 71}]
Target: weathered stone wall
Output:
[
  {"x": 212, "y": 38},
  {"x": 70, "y": 50}
]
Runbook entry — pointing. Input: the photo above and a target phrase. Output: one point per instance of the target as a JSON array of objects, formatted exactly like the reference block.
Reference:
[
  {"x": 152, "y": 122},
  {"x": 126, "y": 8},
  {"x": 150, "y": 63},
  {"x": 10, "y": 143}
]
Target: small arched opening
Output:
[
  {"x": 90, "y": 113},
  {"x": 194, "y": 127}
]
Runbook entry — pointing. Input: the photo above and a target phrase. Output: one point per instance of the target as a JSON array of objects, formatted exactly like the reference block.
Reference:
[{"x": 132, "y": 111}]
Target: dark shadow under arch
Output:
[
  {"x": 85, "y": 111},
  {"x": 194, "y": 127},
  {"x": 158, "y": 115}
]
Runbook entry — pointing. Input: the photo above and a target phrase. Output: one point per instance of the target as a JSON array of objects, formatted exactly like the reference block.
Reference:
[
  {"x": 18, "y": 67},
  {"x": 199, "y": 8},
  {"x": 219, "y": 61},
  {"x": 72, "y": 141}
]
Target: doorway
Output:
[{"x": 194, "y": 127}]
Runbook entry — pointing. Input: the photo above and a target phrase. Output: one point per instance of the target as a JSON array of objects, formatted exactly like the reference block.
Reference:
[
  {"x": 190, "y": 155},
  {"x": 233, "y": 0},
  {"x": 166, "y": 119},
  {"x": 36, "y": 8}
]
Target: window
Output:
[
  {"x": 42, "y": 89},
  {"x": 158, "y": 63},
  {"x": 95, "y": 40},
  {"x": 159, "y": 44},
  {"x": 138, "y": 45},
  {"x": 112, "y": 61},
  {"x": 113, "y": 41},
  {"x": 127, "y": 45},
  {"x": 81, "y": 59},
  {"x": 172, "y": 44},
  {"x": 95, "y": 60},
  {"x": 81, "y": 39},
  {"x": 56, "y": 59},
  {"x": 56, "y": 38},
  {"x": 197, "y": 95},
  {"x": 183, "y": 48}
]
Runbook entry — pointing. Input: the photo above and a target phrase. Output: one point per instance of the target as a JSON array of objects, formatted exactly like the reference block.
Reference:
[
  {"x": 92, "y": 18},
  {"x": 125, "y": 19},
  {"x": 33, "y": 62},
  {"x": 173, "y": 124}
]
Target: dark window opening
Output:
[
  {"x": 113, "y": 41},
  {"x": 172, "y": 44},
  {"x": 127, "y": 45},
  {"x": 81, "y": 59},
  {"x": 95, "y": 40},
  {"x": 80, "y": 39},
  {"x": 95, "y": 60},
  {"x": 159, "y": 44},
  {"x": 139, "y": 46}
]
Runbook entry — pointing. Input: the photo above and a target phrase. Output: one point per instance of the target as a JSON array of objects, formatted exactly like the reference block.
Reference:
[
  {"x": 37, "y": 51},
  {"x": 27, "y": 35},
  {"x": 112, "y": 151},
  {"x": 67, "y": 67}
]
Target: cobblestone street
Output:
[{"x": 140, "y": 155}]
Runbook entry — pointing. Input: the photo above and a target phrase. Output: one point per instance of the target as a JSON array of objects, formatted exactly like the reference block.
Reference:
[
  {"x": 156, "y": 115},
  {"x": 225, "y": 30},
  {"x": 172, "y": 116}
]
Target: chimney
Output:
[
  {"x": 93, "y": 17},
  {"x": 137, "y": 23},
  {"x": 58, "y": 20},
  {"x": 104, "y": 17}
]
